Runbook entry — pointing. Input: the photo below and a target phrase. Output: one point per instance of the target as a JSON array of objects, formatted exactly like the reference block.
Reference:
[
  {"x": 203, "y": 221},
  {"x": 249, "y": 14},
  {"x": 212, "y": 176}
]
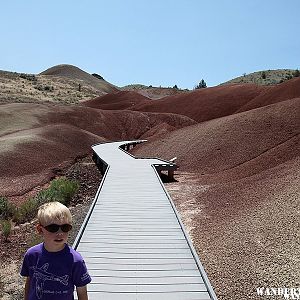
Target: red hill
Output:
[
  {"x": 287, "y": 90},
  {"x": 205, "y": 104},
  {"x": 240, "y": 145},
  {"x": 116, "y": 101},
  {"x": 36, "y": 139}
]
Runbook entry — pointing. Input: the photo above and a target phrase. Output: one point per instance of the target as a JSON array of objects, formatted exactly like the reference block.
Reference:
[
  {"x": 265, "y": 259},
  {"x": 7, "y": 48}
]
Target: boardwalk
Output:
[{"x": 132, "y": 240}]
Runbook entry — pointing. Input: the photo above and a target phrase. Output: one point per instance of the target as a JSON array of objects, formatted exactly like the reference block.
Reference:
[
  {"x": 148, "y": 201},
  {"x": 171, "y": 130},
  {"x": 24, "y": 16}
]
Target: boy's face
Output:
[{"x": 54, "y": 241}]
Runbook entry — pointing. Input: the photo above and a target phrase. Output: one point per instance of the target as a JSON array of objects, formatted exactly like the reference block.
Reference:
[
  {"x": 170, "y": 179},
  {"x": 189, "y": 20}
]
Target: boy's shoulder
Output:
[
  {"x": 39, "y": 249},
  {"x": 76, "y": 255},
  {"x": 35, "y": 249}
]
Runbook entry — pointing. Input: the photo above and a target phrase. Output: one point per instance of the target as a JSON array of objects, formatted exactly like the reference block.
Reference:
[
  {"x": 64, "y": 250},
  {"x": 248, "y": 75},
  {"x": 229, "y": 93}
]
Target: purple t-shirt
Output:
[{"x": 53, "y": 275}]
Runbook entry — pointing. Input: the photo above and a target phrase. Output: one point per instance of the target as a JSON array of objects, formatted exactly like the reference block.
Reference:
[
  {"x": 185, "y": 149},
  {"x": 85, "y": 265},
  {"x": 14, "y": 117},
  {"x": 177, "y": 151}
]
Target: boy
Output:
[{"x": 53, "y": 268}]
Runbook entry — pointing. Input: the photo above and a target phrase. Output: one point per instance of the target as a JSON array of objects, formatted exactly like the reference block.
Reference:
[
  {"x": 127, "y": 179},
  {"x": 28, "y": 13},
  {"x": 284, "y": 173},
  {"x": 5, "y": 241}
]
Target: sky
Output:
[{"x": 157, "y": 42}]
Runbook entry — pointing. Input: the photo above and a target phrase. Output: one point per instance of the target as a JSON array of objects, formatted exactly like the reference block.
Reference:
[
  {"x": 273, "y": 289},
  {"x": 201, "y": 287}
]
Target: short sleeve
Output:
[
  {"x": 81, "y": 276},
  {"x": 25, "y": 267}
]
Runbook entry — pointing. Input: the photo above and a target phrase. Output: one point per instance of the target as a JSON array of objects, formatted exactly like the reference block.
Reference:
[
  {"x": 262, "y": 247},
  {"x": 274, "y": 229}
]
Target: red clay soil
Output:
[
  {"x": 242, "y": 204},
  {"x": 239, "y": 145},
  {"x": 117, "y": 101},
  {"x": 55, "y": 135},
  {"x": 287, "y": 90},
  {"x": 205, "y": 104}
]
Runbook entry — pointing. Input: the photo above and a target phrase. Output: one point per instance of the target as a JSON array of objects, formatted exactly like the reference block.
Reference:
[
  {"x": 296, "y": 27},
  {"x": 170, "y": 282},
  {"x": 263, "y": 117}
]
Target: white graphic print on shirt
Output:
[{"x": 42, "y": 275}]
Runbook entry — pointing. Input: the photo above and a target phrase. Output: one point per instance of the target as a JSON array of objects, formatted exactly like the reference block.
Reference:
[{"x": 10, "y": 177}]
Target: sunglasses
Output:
[{"x": 54, "y": 227}]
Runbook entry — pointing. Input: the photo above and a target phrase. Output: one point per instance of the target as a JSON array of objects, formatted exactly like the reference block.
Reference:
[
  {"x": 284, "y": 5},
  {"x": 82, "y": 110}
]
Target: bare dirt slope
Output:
[
  {"x": 241, "y": 144},
  {"x": 117, "y": 101},
  {"x": 39, "y": 139},
  {"x": 200, "y": 105},
  {"x": 204, "y": 104},
  {"x": 238, "y": 192},
  {"x": 281, "y": 92},
  {"x": 210, "y": 103}
]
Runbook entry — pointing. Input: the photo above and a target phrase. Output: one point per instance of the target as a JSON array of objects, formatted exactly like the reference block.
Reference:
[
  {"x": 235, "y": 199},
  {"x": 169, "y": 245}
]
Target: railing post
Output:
[{"x": 171, "y": 174}]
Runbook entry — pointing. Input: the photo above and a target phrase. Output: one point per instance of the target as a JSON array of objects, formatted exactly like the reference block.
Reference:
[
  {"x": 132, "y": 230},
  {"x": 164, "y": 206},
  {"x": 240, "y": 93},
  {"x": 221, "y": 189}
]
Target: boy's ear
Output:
[{"x": 39, "y": 228}]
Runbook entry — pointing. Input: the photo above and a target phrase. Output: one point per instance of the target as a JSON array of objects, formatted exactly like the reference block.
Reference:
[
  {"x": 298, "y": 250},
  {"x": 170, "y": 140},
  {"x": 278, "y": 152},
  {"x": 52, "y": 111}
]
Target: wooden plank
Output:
[
  {"x": 135, "y": 280},
  {"x": 145, "y": 274},
  {"x": 141, "y": 268},
  {"x": 150, "y": 296},
  {"x": 147, "y": 288}
]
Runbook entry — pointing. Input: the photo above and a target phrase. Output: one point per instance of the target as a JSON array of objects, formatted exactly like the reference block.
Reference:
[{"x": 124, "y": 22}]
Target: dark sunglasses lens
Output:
[
  {"x": 52, "y": 228},
  {"x": 66, "y": 227}
]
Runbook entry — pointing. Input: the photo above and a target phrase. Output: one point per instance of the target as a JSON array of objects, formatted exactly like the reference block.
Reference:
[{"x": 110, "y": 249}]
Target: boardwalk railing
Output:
[{"x": 133, "y": 241}]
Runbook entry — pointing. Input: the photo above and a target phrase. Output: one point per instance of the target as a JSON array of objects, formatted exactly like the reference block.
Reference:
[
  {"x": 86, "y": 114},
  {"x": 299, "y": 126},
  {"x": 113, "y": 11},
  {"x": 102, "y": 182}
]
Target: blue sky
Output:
[{"x": 157, "y": 42}]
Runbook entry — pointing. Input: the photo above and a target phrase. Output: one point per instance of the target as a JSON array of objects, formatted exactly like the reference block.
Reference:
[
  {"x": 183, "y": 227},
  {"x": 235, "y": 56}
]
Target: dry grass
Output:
[
  {"x": 42, "y": 88},
  {"x": 268, "y": 77}
]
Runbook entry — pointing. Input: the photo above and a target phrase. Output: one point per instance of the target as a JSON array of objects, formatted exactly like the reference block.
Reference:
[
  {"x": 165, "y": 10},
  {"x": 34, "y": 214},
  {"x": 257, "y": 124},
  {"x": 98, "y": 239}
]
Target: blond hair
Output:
[{"x": 50, "y": 212}]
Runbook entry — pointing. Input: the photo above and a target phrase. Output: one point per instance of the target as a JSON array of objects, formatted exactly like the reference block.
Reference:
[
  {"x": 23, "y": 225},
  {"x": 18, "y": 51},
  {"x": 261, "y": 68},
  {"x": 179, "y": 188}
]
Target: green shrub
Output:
[
  {"x": 296, "y": 73},
  {"x": 63, "y": 190},
  {"x": 201, "y": 85},
  {"x": 7, "y": 209},
  {"x": 26, "y": 211},
  {"x": 6, "y": 228},
  {"x": 30, "y": 77},
  {"x": 44, "y": 196}
]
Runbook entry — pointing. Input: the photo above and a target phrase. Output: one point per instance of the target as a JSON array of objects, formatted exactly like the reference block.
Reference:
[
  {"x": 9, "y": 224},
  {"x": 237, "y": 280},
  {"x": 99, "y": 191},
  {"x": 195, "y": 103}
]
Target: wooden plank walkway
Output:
[{"x": 132, "y": 240}]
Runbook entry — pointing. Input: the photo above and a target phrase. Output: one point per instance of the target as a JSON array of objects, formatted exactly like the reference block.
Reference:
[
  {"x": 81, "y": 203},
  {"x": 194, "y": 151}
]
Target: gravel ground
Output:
[{"x": 246, "y": 236}]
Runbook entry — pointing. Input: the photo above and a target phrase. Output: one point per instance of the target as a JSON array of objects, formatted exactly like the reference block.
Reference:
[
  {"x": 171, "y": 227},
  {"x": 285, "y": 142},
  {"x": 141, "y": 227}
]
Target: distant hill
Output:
[
  {"x": 204, "y": 104},
  {"x": 267, "y": 77},
  {"x": 32, "y": 88},
  {"x": 74, "y": 72},
  {"x": 151, "y": 91},
  {"x": 117, "y": 101},
  {"x": 64, "y": 84}
]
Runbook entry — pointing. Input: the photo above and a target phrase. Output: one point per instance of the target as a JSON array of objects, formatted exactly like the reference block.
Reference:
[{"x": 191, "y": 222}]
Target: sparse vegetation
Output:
[
  {"x": 7, "y": 209},
  {"x": 26, "y": 211},
  {"x": 67, "y": 188},
  {"x": 6, "y": 229},
  {"x": 30, "y": 77},
  {"x": 60, "y": 189},
  {"x": 98, "y": 76},
  {"x": 266, "y": 77},
  {"x": 201, "y": 85},
  {"x": 46, "y": 88},
  {"x": 296, "y": 73},
  {"x": 30, "y": 88}
]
